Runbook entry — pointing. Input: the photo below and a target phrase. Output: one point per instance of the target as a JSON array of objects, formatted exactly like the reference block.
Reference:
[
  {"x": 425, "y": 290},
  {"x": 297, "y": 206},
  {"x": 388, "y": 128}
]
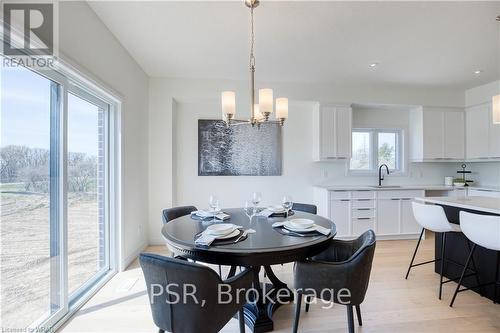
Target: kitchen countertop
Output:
[
  {"x": 403, "y": 187},
  {"x": 481, "y": 204}
]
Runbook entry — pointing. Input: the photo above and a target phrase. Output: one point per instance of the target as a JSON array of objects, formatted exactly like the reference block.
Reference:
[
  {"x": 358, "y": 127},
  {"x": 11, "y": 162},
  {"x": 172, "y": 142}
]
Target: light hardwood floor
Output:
[{"x": 392, "y": 303}]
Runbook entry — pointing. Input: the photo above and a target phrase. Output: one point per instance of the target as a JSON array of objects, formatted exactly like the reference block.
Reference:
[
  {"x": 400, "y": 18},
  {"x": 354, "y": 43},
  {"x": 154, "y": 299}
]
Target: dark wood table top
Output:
[{"x": 264, "y": 247}]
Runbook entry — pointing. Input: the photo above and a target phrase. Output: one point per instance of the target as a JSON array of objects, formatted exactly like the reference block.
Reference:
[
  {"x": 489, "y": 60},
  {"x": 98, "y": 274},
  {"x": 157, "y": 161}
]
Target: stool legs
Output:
[
  {"x": 443, "y": 250},
  {"x": 297, "y": 312},
  {"x": 414, "y": 254},
  {"x": 463, "y": 274}
]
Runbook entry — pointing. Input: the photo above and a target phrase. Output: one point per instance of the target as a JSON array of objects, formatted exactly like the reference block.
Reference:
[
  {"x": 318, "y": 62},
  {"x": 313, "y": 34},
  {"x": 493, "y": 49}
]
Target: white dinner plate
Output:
[
  {"x": 220, "y": 229},
  {"x": 290, "y": 227},
  {"x": 276, "y": 209},
  {"x": 302, "y": 223}
]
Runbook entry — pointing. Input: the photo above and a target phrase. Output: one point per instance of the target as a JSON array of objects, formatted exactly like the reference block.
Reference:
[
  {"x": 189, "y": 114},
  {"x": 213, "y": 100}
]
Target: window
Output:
[
  {"x": 55, "y": 177},
  {"x": 373, "y": 147}
]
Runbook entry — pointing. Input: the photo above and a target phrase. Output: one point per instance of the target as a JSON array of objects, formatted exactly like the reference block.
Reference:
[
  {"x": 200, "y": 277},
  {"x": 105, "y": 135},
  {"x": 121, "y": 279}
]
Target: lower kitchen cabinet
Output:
[
  {"x": 389, "y": 213},
  {"x": 340, "y": 211}
]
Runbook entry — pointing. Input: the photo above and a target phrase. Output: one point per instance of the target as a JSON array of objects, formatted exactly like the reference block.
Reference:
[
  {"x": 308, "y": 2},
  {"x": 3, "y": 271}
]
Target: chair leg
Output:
[
  {"x": 443, "y": 259},
  {"x": 220, "y": 271},
  {"x": 474, "y": 267},
  {"x": 350, "y": 319},
  {"x": 308, "y": 302},
  {"x": 358, "y": 314},
  {"x": 463, "y": 274},
  {"x": 414, "y": 254},
  {"x": 161, "y": 331},
  {"x": 297, "y": 312},
  {"x": 241, "y": 319}
]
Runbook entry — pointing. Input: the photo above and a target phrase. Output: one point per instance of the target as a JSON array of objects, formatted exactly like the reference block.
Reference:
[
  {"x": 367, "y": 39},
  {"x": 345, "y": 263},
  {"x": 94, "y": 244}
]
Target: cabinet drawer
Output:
[
  {"x": 363, "y": 194},
  {"x": 400, "y": 194},
  {"x": 363, "y": 213},
  {"x": 363, "y": 203},
  {"x": 360, "y": 225},
  {"x": 340, "y": 194}
]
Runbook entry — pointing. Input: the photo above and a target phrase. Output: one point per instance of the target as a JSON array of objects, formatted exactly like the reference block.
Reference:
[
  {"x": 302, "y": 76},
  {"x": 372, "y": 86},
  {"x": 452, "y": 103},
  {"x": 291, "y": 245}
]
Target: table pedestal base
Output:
[{"x": 270, "y": 296}]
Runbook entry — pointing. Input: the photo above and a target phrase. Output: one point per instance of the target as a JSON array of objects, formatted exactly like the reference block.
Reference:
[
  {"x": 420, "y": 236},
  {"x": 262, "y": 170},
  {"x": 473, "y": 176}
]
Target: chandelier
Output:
[{"x": 261, "y": 112}]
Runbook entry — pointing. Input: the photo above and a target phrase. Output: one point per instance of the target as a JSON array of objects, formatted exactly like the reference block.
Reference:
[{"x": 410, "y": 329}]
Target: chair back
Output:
[
  {"x": 305, "y": 208},
  {"x": 184, "y": 296},
  {"x": 172, "y": 213},
  {"x": 431, "y": 217},
  {"x": 483, "y": 230},
  {"x": 343, "y": 265}
]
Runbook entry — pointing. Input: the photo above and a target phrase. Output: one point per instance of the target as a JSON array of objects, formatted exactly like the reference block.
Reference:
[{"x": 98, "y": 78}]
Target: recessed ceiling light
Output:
[
  {"x": 477, "y": 72},
  {"x": 373, "y": 64}
]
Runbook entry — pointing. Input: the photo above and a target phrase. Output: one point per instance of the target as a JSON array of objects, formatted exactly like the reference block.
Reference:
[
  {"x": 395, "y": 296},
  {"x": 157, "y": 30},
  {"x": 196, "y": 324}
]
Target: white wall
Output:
[
  {"x": 87, "y": 43},
  {"x": 176, "y": 104}
]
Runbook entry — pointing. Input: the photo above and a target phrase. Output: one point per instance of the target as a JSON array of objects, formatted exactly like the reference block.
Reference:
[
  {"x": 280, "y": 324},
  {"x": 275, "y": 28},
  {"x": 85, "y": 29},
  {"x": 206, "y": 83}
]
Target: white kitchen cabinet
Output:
[
  {"x": 332, "y": 127},
  {"x": 388, "y": 216},
  {"x": 408, "y": 223},
  {"x": 454, "y": 135},
  {"x": 388, "y": 212},
  {"x": 477, "y": 132},
  {"x": 483, "y": 193},
  {"x": 437, "y": 134},
  {"x": 340, "y": 214}
]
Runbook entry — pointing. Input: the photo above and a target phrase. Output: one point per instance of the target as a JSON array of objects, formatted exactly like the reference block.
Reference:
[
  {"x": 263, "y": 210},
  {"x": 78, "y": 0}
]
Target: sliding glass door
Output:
[{"x": 54, "y": 195}]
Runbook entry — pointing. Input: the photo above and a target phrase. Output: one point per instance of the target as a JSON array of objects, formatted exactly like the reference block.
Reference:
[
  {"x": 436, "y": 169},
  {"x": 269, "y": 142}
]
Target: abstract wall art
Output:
[{"x": 239, "y": 150}]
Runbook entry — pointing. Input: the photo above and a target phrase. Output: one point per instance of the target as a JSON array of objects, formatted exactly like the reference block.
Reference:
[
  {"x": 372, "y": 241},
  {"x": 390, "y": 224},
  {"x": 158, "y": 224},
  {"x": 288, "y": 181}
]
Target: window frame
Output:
[
  {"x": 71, "y": 80},
  {"x": 373, "y": 159}
]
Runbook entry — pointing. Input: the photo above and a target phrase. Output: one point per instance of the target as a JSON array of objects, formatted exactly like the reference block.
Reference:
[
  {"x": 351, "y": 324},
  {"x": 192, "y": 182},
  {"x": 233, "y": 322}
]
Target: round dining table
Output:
[{"x": 259, "y": 250}]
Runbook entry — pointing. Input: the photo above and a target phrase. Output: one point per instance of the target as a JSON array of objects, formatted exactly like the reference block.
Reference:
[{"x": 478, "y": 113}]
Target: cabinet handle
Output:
[
  {"x": 406, "y": 199},
  {"x": 364, "y": 209},
  {"x": 364, "y": 218},
  {"x": 345, "y": 200},
  {"x": 364, "y": 199},
  {"x": 395, "y": 199}
]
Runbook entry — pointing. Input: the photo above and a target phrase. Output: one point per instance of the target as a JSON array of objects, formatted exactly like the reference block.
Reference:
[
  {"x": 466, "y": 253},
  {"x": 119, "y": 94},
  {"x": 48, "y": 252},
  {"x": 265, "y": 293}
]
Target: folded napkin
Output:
[
  {"x": 318, "y": 228},
  {"x": 206, "y": 214},
  {"x": 205, "y": 238}
]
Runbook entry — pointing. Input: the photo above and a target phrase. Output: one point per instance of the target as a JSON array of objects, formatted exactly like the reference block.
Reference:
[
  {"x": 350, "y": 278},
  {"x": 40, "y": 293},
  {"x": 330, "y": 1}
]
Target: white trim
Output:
[{"x": 130, "y": 258}]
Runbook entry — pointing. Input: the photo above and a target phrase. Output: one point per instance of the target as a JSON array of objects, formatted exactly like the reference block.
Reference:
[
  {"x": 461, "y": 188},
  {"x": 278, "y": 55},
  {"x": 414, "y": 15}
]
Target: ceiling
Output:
[{"x": 415, "y": 43}]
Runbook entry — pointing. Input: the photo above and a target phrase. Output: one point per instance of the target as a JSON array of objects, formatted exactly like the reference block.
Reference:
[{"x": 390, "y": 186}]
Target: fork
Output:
[{"x": 245, "y": 232}]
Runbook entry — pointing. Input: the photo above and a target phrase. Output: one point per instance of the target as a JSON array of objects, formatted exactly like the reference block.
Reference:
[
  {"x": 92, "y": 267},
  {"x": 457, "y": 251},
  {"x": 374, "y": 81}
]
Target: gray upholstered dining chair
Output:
[
  {"x": 172, "y": 213},
  {"x": 343, "y": 265},
  {"x": 201, "y": 312},
  {"x": 308, "y": 208}
]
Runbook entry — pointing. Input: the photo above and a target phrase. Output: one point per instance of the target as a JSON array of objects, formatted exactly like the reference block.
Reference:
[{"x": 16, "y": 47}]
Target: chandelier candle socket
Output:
[
  {"x": 259, "y": 113},
  {"x": 228, "y": 104},
  {"x": 496, "y": 109},
  {"x": 266, "y": 102},
  {"x": 281, "y": 108}
]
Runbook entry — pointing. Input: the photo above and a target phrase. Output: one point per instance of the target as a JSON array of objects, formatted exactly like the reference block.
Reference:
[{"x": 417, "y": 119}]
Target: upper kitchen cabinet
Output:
[
  {"x": 483, "y": 137},
  {"x": 437, "y": 134},
  {"x": 332, "y": 127}
]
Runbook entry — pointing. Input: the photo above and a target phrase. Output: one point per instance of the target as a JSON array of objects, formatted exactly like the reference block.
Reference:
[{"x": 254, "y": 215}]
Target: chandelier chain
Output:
[{"x": 252, "y": 40}]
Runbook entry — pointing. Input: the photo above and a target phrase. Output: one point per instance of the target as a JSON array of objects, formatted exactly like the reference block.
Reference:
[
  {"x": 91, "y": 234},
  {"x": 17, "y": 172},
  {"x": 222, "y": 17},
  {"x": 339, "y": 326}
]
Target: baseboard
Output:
[{"x": 128, "y": 260}]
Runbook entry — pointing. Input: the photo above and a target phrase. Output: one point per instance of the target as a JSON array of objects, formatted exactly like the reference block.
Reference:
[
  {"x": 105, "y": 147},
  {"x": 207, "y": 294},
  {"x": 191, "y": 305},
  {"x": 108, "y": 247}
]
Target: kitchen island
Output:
[{"x": 456, "y": 243}]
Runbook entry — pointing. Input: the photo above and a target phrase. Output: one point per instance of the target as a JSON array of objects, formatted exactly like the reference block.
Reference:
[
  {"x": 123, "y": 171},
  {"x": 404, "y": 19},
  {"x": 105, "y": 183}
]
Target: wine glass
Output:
[
  {"x": 256, "y": 198},
  {"x": 249, "y": 209},
  {"x": 213, "y": 202},
  {"x": 287, "y": 203}
]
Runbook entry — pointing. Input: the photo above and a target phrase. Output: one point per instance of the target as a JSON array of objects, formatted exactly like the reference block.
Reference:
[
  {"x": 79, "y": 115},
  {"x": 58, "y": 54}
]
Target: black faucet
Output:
[{"x": 380, "y": 176}]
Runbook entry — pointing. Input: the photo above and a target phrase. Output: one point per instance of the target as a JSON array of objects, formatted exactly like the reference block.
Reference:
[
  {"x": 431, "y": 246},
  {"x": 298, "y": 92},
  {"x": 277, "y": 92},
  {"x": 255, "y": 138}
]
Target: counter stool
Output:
[
  {"x": 433, "y": 218},
  {"x": 482, "y": 230}
]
